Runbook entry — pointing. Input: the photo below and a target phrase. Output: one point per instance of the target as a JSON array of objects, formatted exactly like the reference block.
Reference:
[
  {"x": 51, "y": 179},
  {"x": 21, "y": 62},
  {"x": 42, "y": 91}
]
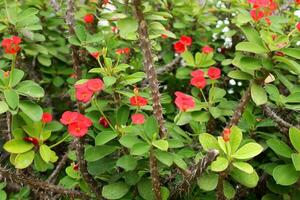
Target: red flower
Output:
[
  {"x": 95, "y": 85},
  {"x": 105, "y": 2},
  {"x": 46, "y": 117},
  {"x": 186, "y": 40},
  {"x": 297, "y": 1},
  {"x": 256, "y": 14},
  {"x": 138, "y": 118},
  {"x": 86, "y": 121},
  {"x": 197, "y": 73},
  {"x": 298, "y": 26},
  {"x": 226, "y": 134},
  {"x": 179, "y": 47},
  {"x": 103, "y": 122},
  {"x": 138, "y": 101},
  {"x": 6, "y": 74},
  {"x": 83, "y": 93},
  {"x": 68, "y": 117},
  {"x": 207, "y": 49},
  {"x": 214, "y": 73},
  {"x": 198, "y": 82},
  {"x": 96, "y": 54},
  {"x": 125, "y": 50},
  {"x": 184, "y": 102},
  {"x": 89, "y": 18},
  {"x": 32, "y": 140},
  {"x": 164, "y": 36},
  {"x": 11, "y": 45},
  {"x": 76, "y": 167},
  {"x": 114, "y": 29},
  {"x": 268, "y": 21},
  {"x": 279, "y": 53},
  {"x": 77, "y": 129}
]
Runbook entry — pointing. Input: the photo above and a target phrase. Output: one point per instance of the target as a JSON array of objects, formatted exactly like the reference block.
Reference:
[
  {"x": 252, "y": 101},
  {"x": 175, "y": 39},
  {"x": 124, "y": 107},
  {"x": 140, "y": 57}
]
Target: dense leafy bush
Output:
[{"x": 160, "y": 99}]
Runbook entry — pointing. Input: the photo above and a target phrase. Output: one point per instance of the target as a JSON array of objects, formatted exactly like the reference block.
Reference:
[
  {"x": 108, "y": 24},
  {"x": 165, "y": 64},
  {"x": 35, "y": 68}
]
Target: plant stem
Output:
[
  {"x": 13, "y": 65},
  {"x": 102, "y": 113},
  {"x": 211, "y": 96},
  {"x": 57, "y": 143},
  {"x": 203, "y": 95}
]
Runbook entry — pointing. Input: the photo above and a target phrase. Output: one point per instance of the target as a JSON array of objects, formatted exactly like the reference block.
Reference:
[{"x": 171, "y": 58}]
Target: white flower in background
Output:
[
  {"x": 298, "y": 43},
  {"x": 232, "y": 82},
  {"x": 228, "y": 42},
  {"x": 103, "y": 22},
  {"x": 297, "y": 13},
  {"x": 109, "y": 8},
  {"x": 226, "y": 21},
  {"x": 225, "y": 29},
  {"x": 219, "y": 24},
  {"x": 219, "y": 50},
  {"x": 215, "y": 36},
  {"x": 230, "y": 91},
  {"x": 240, "y": 83}
]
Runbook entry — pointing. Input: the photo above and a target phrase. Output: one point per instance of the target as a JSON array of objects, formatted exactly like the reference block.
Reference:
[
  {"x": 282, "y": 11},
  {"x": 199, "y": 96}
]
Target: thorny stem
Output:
[{"x": 154, "y": 175}]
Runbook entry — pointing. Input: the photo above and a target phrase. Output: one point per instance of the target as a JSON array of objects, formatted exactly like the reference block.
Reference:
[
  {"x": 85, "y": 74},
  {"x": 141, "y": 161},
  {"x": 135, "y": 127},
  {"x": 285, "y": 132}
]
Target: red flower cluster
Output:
[
  {"x": 85, "y": 91},
  {"x": 181, "y": 45},
  {"x": 78, "y": 124},
  {"x": 32, "y": 140},
  {"x": 103, "y": 122},
  {"x": 207, "y": 49},
  {"x": 89, "y": 19},
  {"x": 138, "y": 101},
  {"x": 46, "y": 117},
  {"x": 125, "y": 50},
  {"x": 198, "y": 79},
  {"x": 96, "y": 54},
  {"x": 298, "y": 26},
  {"x": 226, "y": 134},
  {"x": 114, "y": 29},
  {"x": 184, "y": 102},
  {"x": 164, "y": 36},
  {"x": 262, "y": 8},
  {"x": 297, "y": 2},
  {"x": 11, "y": 45},
  {"x": 138, "y": 118}
]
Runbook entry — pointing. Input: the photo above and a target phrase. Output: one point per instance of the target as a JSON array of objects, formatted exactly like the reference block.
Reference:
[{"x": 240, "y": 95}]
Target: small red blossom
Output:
[
  {"x": 46, "y": 117},
  {"x": 89, "y": 19},
  {"x": 279, "y": 53},
  {"x": 268, "y": 21},
  {"x": 214, "y": 73},
  {"x": 83, "y": 94},
  {"x": 207, "y": 49},
  {"x": 125, "y": 50},
  {"x": 11, "y": 45},
  {"x": 164, "y": 36},
  {"x": 105, "y": 2},
  {"x": 138, "y": 101},
  {"x": 198, "y": 82},
  {"x": 114, "y": 29},
  {"x": 297, "y": 2},
  {"x": 77, "y": 123},
  {"x": 96, "y": 54},
  {"x": 256, "y": 14},
  {"x": 32, "y": 140},
  {"x": 186, "y": 40},
  {"x": 103, "y": 122},
  {"x": 197, "y": 73},
  {"x": 298, "y": 26},
  {"x": 226, "y": 134},
  {"x": 6, "y": 74},
  {"x": 179, "y": 47},
  {"x": 184, "y": 102},
  {"x": 95, "y": 85},
  {"x": 76, "y": 167},
  {"x": 138, "y": 118}
]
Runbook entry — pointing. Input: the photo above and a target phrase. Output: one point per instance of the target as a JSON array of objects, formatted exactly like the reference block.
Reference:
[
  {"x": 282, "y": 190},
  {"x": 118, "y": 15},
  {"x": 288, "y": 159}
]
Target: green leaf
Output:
[
  {"x": 95, "y": 153},
  {"x": 40, "y": 164},
  {"x": 251, "y": 47},
  {"x": 248, "y": 151},
  {"x": 208, "y": 182},
  {"x": 294, "y": 134},
  {"x": 258, "y": 94},
  {"x": 128, "y": 28},
  {"x": 229, "y": 190},
  {"x": 129, "y": 140},
  {"x": 236, "y": 137},
  {"x": 243, "y": 166},
  {"x": 151, "y": 127},
  {"x": 105, "y": 137},
  {"x": 296, "y": 161},
  {"x": 73, "y": 173},
  {"x": 237, "y": 74},
  {"x": 183, "y": 118},
  {"x": 3, "y": 107},
  {"x": 179, "y": 162},
  {"x": 252, "y": 35},
  {"x": 109, "y": 80},
  {"x": 122, "y": 115},
  {"x": 188, "y": 58},
  {"x": 80, "y": 32},
  {"x": 17, "y": 76},
  {"x": 127, "y": 162},
  {"x": 17, "y": 146},
  {"x": 164, "y": 157},
  {"x": 208, "y": 142},
  {"x": 293, "y": 52},
  {"x": 12, "y": 98},
  {"x": 248, "y": 180},
  {"x": 249, "y": 63},
  {"x": 285, "y": 174},
  {"x": 44, "y": 60},
  {"x": 280, "y": 147},
  {"x": 3, "y": 195},
  {"x": 161, "y": 144},
  {"x": 45, "y": 152},
  {"x": 115, "y": 190},
  {"x": 30, "y": 88},
  {"x": 220, "y": 164},
  {"x": 145, "y": 189},
  {"x": 23, "y": 160},
  {"x": 140, "y": 149},
  {"x": 31, "y": 109}
]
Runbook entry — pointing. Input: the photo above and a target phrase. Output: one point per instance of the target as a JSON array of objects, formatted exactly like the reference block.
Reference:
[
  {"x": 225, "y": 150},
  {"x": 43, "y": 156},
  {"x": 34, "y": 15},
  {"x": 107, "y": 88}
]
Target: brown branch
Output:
[
  {"x": 196, "y": 172},
  {"x": 55, "y": 5},
  {"x": 53, "y": 176},
  {"x": 168, "y": 67},
  {"x": 149, "y": 66},
  {"x": 154, "y": 176},
  {"x": 34, "y": 183}
]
